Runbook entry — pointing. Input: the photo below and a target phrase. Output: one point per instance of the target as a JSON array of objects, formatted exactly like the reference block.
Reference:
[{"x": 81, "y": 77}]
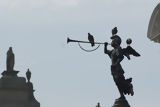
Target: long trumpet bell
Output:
[{"x": 68, "y": 40}]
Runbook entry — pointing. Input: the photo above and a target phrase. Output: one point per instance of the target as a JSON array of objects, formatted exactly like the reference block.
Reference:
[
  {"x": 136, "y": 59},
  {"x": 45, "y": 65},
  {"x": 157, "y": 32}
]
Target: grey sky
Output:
[{"x": 62, "y": 74}]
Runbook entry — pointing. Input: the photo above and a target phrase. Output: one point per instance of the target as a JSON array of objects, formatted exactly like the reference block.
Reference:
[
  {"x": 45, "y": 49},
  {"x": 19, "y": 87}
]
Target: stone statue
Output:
[
  {"x": 10, "y": 60},
  {"x": 28, "y": 75},
  {"x": 117, "y": 55}
]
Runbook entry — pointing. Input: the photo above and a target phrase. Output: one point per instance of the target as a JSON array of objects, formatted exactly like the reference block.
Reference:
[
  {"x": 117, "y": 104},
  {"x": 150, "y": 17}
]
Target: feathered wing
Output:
[{"x": 130, "y": 51}]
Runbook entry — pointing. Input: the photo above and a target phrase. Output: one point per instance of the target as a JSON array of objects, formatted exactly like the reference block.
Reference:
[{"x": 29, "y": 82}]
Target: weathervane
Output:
[{"x": 116, "y": 55}]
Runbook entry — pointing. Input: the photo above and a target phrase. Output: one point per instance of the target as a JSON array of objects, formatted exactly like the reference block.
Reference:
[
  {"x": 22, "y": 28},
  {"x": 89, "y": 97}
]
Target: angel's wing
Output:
[{"x": 130, "y": 51}]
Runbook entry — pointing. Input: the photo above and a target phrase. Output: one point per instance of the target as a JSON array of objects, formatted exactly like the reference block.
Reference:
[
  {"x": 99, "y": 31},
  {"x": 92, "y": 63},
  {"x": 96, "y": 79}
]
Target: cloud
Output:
[{"x": 38, "y": 3}]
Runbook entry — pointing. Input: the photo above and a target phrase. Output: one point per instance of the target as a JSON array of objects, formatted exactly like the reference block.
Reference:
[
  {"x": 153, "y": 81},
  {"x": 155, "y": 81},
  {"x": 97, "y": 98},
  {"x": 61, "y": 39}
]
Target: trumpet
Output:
[{"x": 71, "y": 40}]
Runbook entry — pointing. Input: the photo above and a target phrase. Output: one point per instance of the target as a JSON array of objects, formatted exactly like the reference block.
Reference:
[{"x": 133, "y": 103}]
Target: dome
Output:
[{"x": 154, "y": 25}]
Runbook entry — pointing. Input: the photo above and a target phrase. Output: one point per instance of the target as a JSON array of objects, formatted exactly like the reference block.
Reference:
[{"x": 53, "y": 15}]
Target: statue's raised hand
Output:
[{"x": 106, "y": 44}]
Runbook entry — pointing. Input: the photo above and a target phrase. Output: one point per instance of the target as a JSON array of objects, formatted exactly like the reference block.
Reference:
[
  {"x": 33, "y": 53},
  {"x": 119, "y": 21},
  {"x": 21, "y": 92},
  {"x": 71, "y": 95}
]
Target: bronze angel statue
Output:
[{"x": 117, "y": 55}]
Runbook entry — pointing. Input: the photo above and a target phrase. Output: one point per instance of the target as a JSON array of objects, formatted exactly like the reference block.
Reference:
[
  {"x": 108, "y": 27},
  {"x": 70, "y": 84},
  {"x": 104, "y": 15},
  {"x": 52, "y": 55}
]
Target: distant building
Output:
[{"x": 16, "y": 91}]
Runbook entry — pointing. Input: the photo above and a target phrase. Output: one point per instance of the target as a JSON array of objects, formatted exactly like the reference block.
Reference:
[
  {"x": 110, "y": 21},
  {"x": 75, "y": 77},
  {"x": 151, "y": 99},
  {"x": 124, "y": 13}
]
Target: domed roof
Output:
[{"x": 154, "y": 25}]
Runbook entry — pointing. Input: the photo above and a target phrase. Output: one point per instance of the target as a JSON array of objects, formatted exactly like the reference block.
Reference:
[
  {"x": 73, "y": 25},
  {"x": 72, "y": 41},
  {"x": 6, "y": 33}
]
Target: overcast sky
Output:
[{"x": 62, "y": 74}]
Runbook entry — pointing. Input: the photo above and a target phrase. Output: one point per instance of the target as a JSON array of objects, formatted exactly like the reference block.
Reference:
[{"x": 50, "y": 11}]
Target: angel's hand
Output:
[{"x": 106, "y": 44}]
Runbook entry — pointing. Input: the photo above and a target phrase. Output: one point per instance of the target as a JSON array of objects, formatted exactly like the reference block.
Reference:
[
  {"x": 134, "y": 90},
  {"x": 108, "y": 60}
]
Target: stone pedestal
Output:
[
  {"x": 16, "y": 92},
  {"x": 121, "y": 103}
]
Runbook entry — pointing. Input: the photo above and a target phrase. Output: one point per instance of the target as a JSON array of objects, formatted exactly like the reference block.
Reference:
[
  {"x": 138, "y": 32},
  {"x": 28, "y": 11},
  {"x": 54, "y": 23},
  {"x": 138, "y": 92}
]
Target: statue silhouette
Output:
[
  {"x": 117, "y": 55},
  {"x": 28, "y": 75},
  {"x": 10, "y": 60}
]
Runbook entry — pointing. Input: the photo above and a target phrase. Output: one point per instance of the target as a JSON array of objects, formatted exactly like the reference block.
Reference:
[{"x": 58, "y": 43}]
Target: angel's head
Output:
[{"x": 116, "y": 41}]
